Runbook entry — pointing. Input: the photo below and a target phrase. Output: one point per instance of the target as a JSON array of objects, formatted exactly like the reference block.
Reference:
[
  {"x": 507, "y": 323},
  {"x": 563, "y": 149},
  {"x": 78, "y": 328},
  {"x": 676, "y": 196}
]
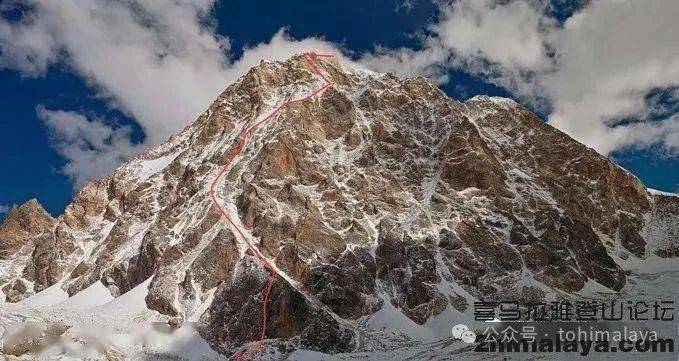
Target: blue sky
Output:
[{"x": 525, "y": 49}]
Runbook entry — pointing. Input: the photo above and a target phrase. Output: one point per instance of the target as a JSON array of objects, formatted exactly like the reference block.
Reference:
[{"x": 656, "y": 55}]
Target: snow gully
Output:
[{"x": 311, "y": 59}]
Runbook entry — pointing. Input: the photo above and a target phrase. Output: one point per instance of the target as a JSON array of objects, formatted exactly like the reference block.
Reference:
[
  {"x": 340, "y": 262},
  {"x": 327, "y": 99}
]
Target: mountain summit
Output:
[{"x": 385, "y": 209}]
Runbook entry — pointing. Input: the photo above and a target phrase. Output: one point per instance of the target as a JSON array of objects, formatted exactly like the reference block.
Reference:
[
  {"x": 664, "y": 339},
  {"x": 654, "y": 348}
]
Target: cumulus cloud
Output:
[
  {"x": 481, "y": 36},
  {"x": 92, "y": 147},
  {"x": 280, "y": 47},
  {"x": 4, "y": 208},
  {"x": 431, "y": 61},
  {"x": 593, "y": 70},
  {"x": 151, "y": 59},
  {"x": 507, "y": 34},
  {"x": 610, "y": 56},
  {"x": 160, "y": 62}
]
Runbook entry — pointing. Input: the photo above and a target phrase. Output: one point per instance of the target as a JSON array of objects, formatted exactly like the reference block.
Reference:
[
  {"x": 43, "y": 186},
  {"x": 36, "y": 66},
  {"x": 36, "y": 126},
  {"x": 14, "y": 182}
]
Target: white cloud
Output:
[
  {"x": 280, "y": 47},
  {"x": 503, "y": 42},
  {"x": 406, "y": 5},
  {"x": 93, "y": 148},
  {"x": 152, "y": 59},
  {"x": 162, "y": 63},
  {"x": 508, "y": 34},
  {"x": 478, "y": 35},
  {"x": 157, "y": 61},
  {"x": 596, "y": 68},
  {"x": 4, "y": 208},
  {"x": 430, "y": 61},
  {"x": 610, "y": 56}
]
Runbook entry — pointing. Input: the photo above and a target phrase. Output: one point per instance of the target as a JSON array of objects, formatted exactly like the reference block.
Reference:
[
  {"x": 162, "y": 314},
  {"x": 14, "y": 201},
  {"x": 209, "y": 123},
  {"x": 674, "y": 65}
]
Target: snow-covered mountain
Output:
[{"x": 384, "y": 207}]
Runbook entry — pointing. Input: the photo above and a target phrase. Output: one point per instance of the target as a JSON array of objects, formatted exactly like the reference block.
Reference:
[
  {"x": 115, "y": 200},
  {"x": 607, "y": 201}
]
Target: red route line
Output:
[{"x": 244, "y": 137}]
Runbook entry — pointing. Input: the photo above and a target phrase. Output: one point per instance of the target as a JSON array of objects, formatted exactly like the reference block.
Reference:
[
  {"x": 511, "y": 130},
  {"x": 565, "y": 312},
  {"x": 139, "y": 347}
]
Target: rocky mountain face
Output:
[
  {"x": 23, "y": 234},
  {"x": 377, "y": 193}
]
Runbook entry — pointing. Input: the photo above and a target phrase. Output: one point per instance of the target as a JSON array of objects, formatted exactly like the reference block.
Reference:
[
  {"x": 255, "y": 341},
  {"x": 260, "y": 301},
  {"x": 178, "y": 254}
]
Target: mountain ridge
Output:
[{"x": 380, "y": 192}]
